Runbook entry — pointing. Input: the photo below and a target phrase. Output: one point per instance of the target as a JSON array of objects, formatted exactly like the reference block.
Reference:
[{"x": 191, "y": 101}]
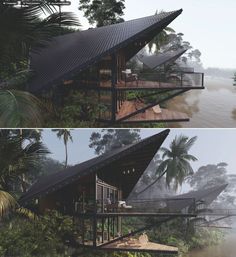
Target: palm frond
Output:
[
  {"x": 189, "y": 157},
  {"x": 19, "y": 109},
  {"x": 26, "y": 213},
  {"x": 22, "y": 29},
  {"x": 33, "y": 153},
  {"x": 7, "y": 203},
  {"x": 190, "y": 142}
]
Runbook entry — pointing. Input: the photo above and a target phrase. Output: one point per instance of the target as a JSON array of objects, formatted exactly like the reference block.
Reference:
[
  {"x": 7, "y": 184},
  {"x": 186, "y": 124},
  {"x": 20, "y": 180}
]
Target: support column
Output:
[
  {"x": 113, "y": 85},
  {"x": 95, "y": 213}
]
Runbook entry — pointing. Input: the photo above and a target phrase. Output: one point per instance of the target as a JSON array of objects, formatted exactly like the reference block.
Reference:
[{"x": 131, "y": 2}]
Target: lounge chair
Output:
[
  {"x": 129, "y": 76},
  {"x": 120, "y": 205}
]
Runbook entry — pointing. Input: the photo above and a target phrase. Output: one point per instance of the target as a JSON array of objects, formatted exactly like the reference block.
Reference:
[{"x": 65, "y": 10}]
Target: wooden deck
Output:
[
  {"x": 129, "y": 107},
  {"x": 141, "y": 84},
  {"x": 147, "y": 247}
]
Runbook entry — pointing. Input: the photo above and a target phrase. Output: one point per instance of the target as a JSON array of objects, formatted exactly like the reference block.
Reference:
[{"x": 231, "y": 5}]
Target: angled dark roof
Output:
[
  {"x": 207, "y": 195},
  {"x": 179, "y": 202},
  {"x": 139, "y": 154},
  {"x": 153, "y": 61},
  {"x": 69, "y": 54}
]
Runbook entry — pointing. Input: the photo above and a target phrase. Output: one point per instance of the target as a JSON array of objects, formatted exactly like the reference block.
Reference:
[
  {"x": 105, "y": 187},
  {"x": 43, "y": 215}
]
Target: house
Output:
[
  {"x": 163, "y": 67},
  {"x": 95, "y": 61},
  {"x": 95, "y": 194}
]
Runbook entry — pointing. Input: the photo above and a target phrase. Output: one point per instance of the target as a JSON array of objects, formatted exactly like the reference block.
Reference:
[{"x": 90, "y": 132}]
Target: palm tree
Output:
[
  {"x": 161, "y": 39},
  {"x": 17, "y": 156},
  {"x": 66, "y": 134},
  {"x": 175, "y": 162}
]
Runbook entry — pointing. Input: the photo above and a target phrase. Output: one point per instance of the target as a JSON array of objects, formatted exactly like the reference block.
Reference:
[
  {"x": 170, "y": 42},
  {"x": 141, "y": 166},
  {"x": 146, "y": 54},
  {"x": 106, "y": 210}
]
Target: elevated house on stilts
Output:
[
  {"x": 96, "y": 194},
  {"x": 95, "y": 62}
]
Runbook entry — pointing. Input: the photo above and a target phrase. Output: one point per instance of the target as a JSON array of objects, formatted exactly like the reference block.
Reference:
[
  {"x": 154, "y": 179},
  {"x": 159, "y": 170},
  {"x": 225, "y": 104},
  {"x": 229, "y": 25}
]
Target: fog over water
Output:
[{"x": 213, "y": 107}]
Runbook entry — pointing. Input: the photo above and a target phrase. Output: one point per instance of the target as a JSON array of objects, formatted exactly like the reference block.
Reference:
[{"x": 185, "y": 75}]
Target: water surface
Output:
[{"x": 213, "y": 107}]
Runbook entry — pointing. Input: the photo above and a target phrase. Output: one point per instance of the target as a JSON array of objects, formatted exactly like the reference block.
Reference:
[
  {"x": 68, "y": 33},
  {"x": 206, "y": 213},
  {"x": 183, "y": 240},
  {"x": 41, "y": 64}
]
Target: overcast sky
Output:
[
  {"x": 208, "y": 25},
  {"x": 212, "y": 146}
]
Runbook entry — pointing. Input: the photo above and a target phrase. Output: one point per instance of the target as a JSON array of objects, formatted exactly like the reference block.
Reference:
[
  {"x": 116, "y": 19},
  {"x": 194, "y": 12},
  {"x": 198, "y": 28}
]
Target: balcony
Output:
[{"x": 180, "y": 79}]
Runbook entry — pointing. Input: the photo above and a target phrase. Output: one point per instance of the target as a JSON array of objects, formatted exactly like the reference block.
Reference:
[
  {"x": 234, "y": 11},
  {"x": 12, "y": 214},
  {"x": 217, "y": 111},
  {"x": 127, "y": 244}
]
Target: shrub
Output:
[{"x": 46, "y": 236}]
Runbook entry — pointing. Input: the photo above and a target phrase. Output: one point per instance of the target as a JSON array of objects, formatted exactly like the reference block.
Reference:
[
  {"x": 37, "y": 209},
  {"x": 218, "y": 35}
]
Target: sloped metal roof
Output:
[
  {"x": 68, "y": 54},
  {"x": 206, "y": 196},
  {"x": 115, "y": 161},
  {"x": 154, "y": 61},
  {"x": 179, "y": 202}
]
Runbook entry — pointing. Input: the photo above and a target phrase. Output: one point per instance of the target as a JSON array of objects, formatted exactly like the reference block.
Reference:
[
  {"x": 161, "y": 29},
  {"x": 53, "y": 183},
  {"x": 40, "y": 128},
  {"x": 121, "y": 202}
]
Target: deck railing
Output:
[
  {"x": 177, "y": 78},
  {"x": 219, "y": 212},
  {"x": 164, "y": 205}
]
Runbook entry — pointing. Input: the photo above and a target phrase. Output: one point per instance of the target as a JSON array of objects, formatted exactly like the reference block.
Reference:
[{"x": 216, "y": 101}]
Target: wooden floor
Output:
[
  {"x": 129, "y": 107},
  {"x": 148, "y": 247}
]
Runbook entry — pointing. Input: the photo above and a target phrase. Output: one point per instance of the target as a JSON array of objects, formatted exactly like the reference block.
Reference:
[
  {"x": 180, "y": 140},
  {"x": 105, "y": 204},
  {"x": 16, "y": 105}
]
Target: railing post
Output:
[{"x": 95, "y": 213}]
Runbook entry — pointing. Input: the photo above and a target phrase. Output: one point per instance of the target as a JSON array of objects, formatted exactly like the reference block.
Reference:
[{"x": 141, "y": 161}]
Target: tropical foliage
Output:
[
  {"x": 19, "y": 109},
  {"x": 20, "y": 154},
  {"x": 46, "y": 236},
  {"x": 160, "y": 40},
  {"x": 169, "y": 40},
  {"x": 176, "y": 161},
  {"x": 109, "y": 139},
  {"x": 102, "y": 12},
  {"x": 23, "y": 30},
  {"x": 182, "y": 234},
  {"x": 79, "y": 110},
  {"x": 175, "y": 164}
]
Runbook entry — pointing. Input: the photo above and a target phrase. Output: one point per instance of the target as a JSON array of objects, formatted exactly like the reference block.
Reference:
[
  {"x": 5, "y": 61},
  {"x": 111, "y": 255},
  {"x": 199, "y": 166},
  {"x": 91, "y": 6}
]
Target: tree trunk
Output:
[
  {"x": 22, "y": 176},
  {"x": 66, "y": 155}
]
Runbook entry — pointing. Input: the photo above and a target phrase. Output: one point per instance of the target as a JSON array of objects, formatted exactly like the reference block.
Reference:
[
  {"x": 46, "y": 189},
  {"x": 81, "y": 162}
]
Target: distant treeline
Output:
[{"x": 218, "y": 72}]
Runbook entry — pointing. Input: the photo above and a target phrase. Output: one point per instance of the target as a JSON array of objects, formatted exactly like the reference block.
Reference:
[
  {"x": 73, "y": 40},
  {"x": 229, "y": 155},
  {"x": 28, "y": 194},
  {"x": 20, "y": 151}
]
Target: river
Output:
[
  {"x": 213, "y": 107},
  {"x": 226, "y": 249}
]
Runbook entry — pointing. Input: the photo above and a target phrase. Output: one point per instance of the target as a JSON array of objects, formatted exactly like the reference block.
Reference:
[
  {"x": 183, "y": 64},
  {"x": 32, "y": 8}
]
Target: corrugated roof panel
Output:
[
  {"x": 69, "y": 53},
  {"x": 57, "y": 180}
]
